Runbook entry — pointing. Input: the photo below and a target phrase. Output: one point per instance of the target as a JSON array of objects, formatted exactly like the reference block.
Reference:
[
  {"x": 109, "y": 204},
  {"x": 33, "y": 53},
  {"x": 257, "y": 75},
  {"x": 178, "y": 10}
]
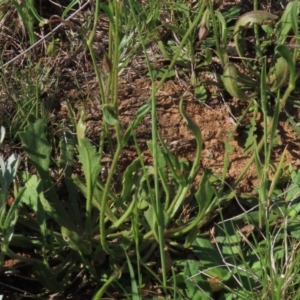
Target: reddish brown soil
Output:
[{"x": 215, "y": 122}]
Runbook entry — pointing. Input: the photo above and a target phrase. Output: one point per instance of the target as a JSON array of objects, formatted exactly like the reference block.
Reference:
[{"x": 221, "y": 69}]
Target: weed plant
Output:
[{"x": 75, "y": 226}]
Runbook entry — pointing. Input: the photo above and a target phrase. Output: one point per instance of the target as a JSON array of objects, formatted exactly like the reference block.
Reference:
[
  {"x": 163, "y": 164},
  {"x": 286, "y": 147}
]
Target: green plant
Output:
[
  {"x": 8, "y": 218},
  {"x": 118, "y": 232}
]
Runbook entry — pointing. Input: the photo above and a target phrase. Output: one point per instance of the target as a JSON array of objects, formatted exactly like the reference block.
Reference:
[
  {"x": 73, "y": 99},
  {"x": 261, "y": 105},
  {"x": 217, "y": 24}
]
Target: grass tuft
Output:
[{"x": 99, "y": 195}]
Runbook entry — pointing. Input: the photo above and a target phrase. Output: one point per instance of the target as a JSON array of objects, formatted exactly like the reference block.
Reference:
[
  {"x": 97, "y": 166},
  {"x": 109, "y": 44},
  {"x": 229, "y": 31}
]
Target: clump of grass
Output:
[{"x": 121, "y": 233}]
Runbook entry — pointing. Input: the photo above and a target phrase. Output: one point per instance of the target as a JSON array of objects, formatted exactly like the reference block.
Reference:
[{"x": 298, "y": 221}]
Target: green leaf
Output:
[
  {"x": 197, "y": 288},
  {"x": 250, "y": 132},
  {"x": 7, "y": 174},
  {"x": 68, "y": 8},
  {"x": 9, "y": 221},
  {"x": 129, "y": 178},
  {"x": 109, "y": 116},
  {"x": 294, "y": 227},
  {"x": 248, "y": 19},
  {"x": 32, "y": 199},
  {"x": 211, "y": 260},
  {"x": 230, "y": 80},
  {"x": 108, "y": 11},
  {"x": 294, "y": 16},
  {"x": 162, "y": 170},
  {"x": 160, "y": 73},
  {"x": 287, "y": 55},
  {"x": 90, "y": 160},
  {"x": 232, "y": 13},
  {"x": 152, "y": 220},
  {"x": 285, "y": 23},
  {"x": 223, "y": 27},
  {"x": 206, "y": 204},
  {"x": 279, "y": 74},
  {"x": 294, "y": 209},
  {"x": 192, "y": 235},
  {"x": 258, "y": 163},
  {"x": 134, "y": 287},
  {"x": 75, "y": 241},
  {"x": 187, "y": 181},
  {"x": 182, "y": 7},
  {"x": 263, "y": 88},
  {"x": 205, "y": 194},
  {"x": 36, "y": 145},
  {"x": 80, "y": 128},
  {"x": 193, "y": 127},
  {"x": 200, "y": 93}
]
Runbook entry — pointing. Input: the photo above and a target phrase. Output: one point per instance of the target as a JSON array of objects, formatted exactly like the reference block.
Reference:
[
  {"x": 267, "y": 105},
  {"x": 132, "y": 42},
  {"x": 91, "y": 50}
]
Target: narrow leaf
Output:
[{"x": 287, "y": 55}]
